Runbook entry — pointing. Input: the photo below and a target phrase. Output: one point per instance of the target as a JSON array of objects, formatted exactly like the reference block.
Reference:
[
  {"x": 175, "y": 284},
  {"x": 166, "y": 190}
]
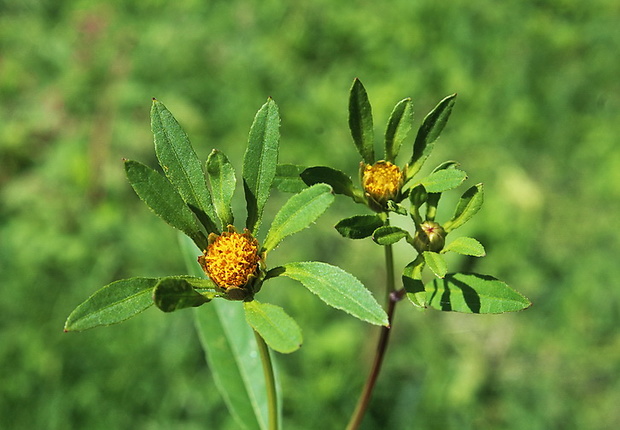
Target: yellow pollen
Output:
[
  {"x": 382, "y": 181},
  {"x": 231, "y": 259}
]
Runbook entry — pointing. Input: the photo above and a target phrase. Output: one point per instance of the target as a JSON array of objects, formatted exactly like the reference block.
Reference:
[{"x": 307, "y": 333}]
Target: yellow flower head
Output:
[
  {"x": 382, "y": 181},
  {"x": 231, "y": 259}
]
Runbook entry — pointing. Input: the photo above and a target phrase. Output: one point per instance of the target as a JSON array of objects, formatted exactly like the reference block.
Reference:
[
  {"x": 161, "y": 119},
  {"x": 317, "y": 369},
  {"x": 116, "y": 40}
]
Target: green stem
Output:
[
  {"x": 393, "y": 297},
  {"x": 270, "y": 381}
]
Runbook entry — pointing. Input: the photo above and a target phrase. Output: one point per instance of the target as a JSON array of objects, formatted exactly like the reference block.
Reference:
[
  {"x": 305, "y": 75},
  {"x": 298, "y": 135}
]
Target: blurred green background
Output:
[{"x": 536, "y": 120}]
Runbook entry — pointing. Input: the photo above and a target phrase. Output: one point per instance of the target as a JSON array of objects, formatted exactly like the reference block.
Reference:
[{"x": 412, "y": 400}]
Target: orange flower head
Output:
[
  {"x": 382, "y": 181},
  {"x": 231, "y": 259}
]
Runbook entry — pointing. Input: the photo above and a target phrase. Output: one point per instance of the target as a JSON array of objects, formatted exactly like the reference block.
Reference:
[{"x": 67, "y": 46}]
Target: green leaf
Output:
[
  {"x": 399, "y": 125},
  {"x": 443, "y": 180},
  {"x": 473, "y": 293},
  {"x": 412, "y": 282},
  {"x": 181, "y": 164},
  {"x": 339, "y": 181},
  {"x": 260, "y": 162},
  {"x": 359, "y": 226},
  {"x": 112, "y": 304},
  {"x": 174, "y": 293},
  {"x": 360, "y": 122},
  {"x": 161, "y": 197},
  {"x": 338, "y": 289},
  {"x": 298, "y": 212},
  {"x": 469, "y": 204},
  {"x": 428, "y": 133},
  {"x": 223, "y": 181},
  {"x": 465, "y": 246},
  {"x": 388, "y": 235},
  {"x": 279, "y": 330},
  {"x": 436, "y": 263},
  {"x": 288, "y": 178}
]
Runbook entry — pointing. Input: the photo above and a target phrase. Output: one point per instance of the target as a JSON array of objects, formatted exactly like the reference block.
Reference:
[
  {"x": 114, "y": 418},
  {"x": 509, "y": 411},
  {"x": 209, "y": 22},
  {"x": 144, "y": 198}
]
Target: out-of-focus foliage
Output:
[{"x": 536, "y": 120}]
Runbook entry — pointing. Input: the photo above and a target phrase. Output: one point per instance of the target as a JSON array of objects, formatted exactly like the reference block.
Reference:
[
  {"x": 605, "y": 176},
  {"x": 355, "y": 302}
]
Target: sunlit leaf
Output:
[
  {"x": 181, "y": 164},
  {"x": 469, "y": 204},
  {"x": 388, "y": 235},
  {"x": 412, "y": 282},
  {"x": 174, "y": 293},
  {"x": 288, "y": 178},
  {"x": 443, "y": 180},
  {"x": 161, "y": 197},
  {"x": 337, "y": 288},
  {"x": 359, "y": 226},
  {"x": 222, "y": 178},
  {"x": 399, "y": 125},
  {"x": 360, "y": 122},
  {"x": 465, "y": 246},
  {"x": 260, "y": 161},
  {"x": 275, "y": 326},
  {"x": 436, "y": 263},
  {"x": 298, "y": 212},
  {"x": 473, "y": 293}
]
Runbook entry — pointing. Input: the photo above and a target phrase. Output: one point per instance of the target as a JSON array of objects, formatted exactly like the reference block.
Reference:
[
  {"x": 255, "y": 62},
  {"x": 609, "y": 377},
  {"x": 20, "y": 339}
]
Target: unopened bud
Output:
[{"x": 430, "y": 236}]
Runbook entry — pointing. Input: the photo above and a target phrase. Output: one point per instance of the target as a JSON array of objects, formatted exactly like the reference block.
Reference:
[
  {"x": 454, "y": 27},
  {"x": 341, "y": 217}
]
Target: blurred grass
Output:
[{"x": 536, "y": 120}]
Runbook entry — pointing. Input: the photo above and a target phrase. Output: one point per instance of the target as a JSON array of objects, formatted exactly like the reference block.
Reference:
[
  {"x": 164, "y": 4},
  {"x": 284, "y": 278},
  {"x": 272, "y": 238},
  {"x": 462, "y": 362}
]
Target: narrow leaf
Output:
[
  {"x": 443, "y": 180},
  {"x": 359, "y": 226},
  {"x": 298, "y": 212},
  {"x": 436, "y": 263},
  {"x": 174, "y": 293},
  {"x": 388, "y": 235},
  {"x": 465, "y": 246},
  {"x": 428, "y": 133},
  {"x": 223, "y": 181},
  {"x": 469, "y": 204},
  {"x": 360, "y": 122},
  {"x": 412, "y": 282},
  {"x": 339, "y": 181},
  {"x": 112, "y": 304},
  {"x": 288, "y": 179},
  {"x": 161, "y": 197},
  {"x": 399, "y": 125},
  {"x": 338, "y": 289},
  {"x": 181, "y": 164},
  {"x": 260, "y": 161},
  {"x": 279, "y": 330},
  {"x": 473, "y": 293}
]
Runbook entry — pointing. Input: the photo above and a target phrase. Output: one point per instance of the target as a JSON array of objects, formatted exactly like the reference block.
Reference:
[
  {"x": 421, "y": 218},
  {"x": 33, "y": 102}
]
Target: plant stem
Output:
[
  {"x": 270, "y": 381},
  {"x": 393, "y": 297}
]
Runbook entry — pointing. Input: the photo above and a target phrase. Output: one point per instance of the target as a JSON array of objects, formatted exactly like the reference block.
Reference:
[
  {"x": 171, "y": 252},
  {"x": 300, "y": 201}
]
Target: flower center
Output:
[
  {"x": 231, "y": 259},
  {"x": 382, "y": 181}
]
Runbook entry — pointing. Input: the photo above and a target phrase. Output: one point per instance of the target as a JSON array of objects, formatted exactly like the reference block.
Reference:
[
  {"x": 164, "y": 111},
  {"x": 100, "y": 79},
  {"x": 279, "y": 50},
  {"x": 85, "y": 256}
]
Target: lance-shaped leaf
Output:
[
  {"x": 223, "y": 181},
  {"x": 339, "y": 181},
  {"x": 260, "y": 161},
  {"x": 398, "y": 127},
  {"x": 288, "y": 178},
  {"x": 469, "y": 204},
  {"x": 337, "y": 288},
  {"x": 474, "y": 293},
  {"x": 428, "y": 133},
  {"x": 359, "y": 226},
  {"x": 174, "y": 293},
  {"x": 388, "y": 235},
  {"x": 360, "y": 122},
  {"x": 298, "y": 212},
  {"x": 412, "y": 282},
  {"x": 112, "y": 304},
  {"x": 161, "y": 197},
  {"x": 443, "y": 180},
  {"x": 465, "y": 246},
  {"x": 181, "y": 164},
  {"x": 436, "y": 263},
  {"x": 275, "y": 326}
]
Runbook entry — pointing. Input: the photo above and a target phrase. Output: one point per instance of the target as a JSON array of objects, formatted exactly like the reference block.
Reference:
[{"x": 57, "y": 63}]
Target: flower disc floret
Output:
[
  {"x": 231, "y": 259},
  {"x": 382, "y": 181}
]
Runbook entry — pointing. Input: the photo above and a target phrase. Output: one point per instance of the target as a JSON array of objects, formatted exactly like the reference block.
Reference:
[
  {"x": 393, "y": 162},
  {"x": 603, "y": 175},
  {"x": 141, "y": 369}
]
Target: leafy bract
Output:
[
  {"x": 359, "y": 226},
  {"x": 399, "y": 124},
  {"x": 473, "y": 293},
  {"x": 337, "y": 288},
  {"x": 181, "y": 164},
  {"x": 469, "y": 204},
  {"x": 260, "y": 161},
  {"x": 112, "y": 304},
  {"x": 298, "y": 212},
  {"x": 360, "y": 122},
  {"x": 222, "y": 178},
  {"x": 161, "y": 197},
  {"x": 275, "y": 326}
]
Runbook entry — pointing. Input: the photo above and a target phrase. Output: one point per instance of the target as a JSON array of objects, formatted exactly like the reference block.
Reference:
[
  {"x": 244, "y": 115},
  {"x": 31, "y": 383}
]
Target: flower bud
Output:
[{"x": 430, "y": 236}]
